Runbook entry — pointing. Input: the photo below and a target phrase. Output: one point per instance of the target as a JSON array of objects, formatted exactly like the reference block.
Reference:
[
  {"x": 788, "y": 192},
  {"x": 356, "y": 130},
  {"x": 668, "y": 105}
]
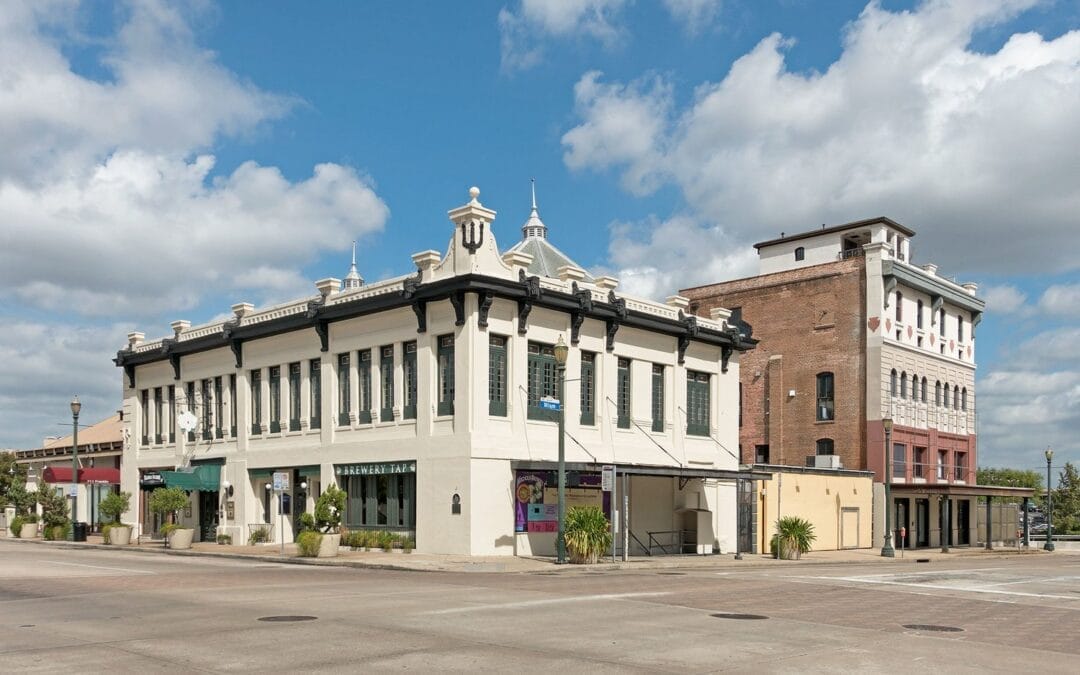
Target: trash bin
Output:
[{"x": 78, "y": 531}]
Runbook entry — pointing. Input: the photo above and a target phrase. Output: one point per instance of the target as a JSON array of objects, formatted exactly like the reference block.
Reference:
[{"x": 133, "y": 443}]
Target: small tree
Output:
[
  {"x": 24, "y": 501},
  {"x": 54, "y": 508},
  {"x": 11, "y": 474},
  {"x": 167, "y": 502},
  {"x": 114, "y": 505},
  {"x": 329, "y": 507},
  {"x": 1066, "y": 502}
]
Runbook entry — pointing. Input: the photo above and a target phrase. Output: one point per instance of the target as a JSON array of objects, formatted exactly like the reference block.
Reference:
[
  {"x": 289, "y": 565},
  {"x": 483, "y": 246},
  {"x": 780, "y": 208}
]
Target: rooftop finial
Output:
[
  {"x": 534, "y": 227},
  {"x": 533, "y": 181},
  {"x": 354, "y": 252},
  {"x": 352, "y": 280}
]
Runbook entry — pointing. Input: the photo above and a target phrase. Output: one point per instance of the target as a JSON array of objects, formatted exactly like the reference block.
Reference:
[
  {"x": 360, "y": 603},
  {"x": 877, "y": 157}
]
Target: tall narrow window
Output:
[
  {"x": 963, "y": 399},
  {"x": 207, "y": 409},
  {"x": 824, "y": 446},
  {"x": 588, "y": 388},
  {"x": 410, "y": 380},
  {"x": 256, "y": 402},
  {"x": 899, "y": 306},
  {"x": 919, "y": 313},
  {"x": 219, "y": 408},
  {"x": 920, "y": 463},
  {"x": 144, "y": 415},
  {"x": 158, "y": 417},
  {"x": 446, "y": 375},
  {"x": 343, "y": 376},
  {"x": 903, "y": 385},
  {"x": 942, "y": 463},
  {"x": 541, "y": 381},
  {"x": 275, "y": 399},
  {"x": 924, "y": 390},
  {"x": 232, "y": 405},
  {"x": 825, "y": 409},
  {"x": 956, "y": 397},
  {"x": 497, "y": 375},
  {"x": 946, "y": 398},
  {"x": 622, "y": 403},
  {"x": 191, "y": 407},
  {"x": 386, "y": 375},
  {"x": 657, "y": 397},
  {"x": 941, "y": 321},
  {"x": 892, "y": 383},
  {"x": 915, "y": 388},
  {"x": 697, "y": 403},
  {"x": 899, "y": 460},
  {"x": 363, "y": 381},
  {"x": 171, "y": 410},
  {"x": 294, "y": 396},
  {"x": 800, "y": 254},
  {"x": 959, "y": 328},
  {"x": 315, "y": 393},
  {"x": 960, "y": 470},
  {"x": 937, "y": 393}
]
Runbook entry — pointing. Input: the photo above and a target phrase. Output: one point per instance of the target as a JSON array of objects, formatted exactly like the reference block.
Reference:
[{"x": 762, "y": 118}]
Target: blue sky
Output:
[{"x": 165, "y": 161}]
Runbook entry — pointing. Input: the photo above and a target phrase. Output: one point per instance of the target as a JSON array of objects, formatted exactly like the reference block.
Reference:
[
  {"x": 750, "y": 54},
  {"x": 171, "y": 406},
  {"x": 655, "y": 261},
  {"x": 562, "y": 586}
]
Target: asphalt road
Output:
[{"x": 67, "y": 610}]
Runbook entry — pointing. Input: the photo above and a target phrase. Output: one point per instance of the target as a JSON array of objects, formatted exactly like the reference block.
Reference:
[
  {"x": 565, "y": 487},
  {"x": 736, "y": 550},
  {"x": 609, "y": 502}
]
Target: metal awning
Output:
[
  {"x": 953, "y": 490},
  {"x": 650, "y": 470},
  {"x": 205, "y": 477}
]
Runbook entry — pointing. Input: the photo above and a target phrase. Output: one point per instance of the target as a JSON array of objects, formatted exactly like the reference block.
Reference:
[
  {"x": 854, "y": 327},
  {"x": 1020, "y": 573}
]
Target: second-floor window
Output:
[
  {"x": 942, "y": 463},
  {"x": 159, "y": 406},
  {"x": 899, "y": 460},
  {"x": 824, "y": 446},
  {"x": 171, "y": 411},
  {"x": 275, "y": 399},
  {"x": 899, "y": 306},
  {"x": 919, "y": 313},
  {"x": 294, "y": 396},
  {"x": 541, "y": 370},
  {"x": 256, "y": 402},
  {"x": 386, "y": 375},
  {"x": 191, "y": 407},
  {"x": 207, "y": 410},
  {"x": 219, "y": 408},
  {"x": 363, "y": 387},
  {"x": 825, "y": 409},
  {"x": 622, "y": 391},
  {"x": 960, "y": 469},
  {"x": 409, "y": 412},
  {"x": 697, "y": 403},
  {"x": 588, "y": 388},
  {"x": 657, "y": 397},
  {"x": 144, "y": 415},
  {"x": 446, "y": 375},
  {"x": 343, "y": 377},
  {"x": 497, "y": 375},
  {"x": 920, "y": 463},
  {"x": 800, "y": 253},
  {"x": 315, "y": 393}
]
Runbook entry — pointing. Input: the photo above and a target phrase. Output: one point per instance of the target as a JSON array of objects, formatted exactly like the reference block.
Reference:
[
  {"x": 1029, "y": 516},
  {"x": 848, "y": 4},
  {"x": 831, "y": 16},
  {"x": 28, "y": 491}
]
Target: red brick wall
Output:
[{"x": 808, "y": 321}]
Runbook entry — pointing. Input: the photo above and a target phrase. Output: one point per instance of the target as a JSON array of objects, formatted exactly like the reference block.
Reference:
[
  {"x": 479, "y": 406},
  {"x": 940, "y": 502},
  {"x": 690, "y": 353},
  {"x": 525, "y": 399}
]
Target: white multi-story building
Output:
[{"x": 427, "y": 398}]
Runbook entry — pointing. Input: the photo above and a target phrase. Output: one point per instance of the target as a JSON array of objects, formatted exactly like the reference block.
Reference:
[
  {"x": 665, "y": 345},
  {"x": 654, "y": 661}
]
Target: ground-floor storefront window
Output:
[
  {"x": 536, "y": 503},
  {"x": 380, "y": 495}
]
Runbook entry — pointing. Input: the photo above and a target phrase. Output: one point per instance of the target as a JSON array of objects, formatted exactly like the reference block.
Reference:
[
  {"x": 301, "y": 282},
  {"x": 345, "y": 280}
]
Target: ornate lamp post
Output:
[
  {"x": 75, "y": 408},
  {"x": 560, "y": 373},
  {"x": 1049, "y": 546},
  {"x": 887, "y": 549}
]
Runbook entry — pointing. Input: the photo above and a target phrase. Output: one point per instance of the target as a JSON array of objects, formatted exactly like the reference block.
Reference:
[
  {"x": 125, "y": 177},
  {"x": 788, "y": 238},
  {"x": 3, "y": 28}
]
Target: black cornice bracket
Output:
[
  {"x": 576, "y": 319},
  {"x": 419, "y": 308},
  {"x": 619, "y": 304},
  {"x": 457, "y": 300},
  {"x": 129, "y": 370},
  {"x": 237, "y": 347},
  {"x": 524, "y": 307},
  {"x": 725, "y": 356},
  {"x": 322, "y": 329},
  {"x": 486, "y": 298},
  {"x": 174, "y": 361},
  {"x": 412, "y": 284},
  {"x": 612, "y": 328},
  {"x": 684, "y": 343}
]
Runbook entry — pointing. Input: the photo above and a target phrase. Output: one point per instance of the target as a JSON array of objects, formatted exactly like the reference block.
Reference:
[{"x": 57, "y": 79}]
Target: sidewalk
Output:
[{"x": 513, "y": 564}]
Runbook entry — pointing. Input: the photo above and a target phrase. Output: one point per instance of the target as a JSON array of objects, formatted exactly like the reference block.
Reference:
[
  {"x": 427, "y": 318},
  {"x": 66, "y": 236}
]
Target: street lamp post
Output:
[
  {"x": 560, "y": 373},
  {"x": 887, "y": 549},
  {"x": 75, "y": 408},
  {"x": 1049, "y": 546}
]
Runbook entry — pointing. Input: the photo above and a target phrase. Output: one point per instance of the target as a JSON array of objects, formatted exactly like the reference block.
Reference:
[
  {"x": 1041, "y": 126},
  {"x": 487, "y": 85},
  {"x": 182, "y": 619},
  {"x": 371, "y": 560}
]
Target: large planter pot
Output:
[
  {"x": 328, "y": 545},
  {"x": 120, "y": 535},
  {"x": 28, "y": 531},
  {"x": 180, "y": 539},
  {"x": 581, "y": 559}
]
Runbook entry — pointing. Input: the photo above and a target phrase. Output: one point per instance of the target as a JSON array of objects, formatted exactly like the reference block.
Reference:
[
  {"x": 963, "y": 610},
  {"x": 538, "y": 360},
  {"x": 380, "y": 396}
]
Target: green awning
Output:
[
  {"x": 205, "y": 477},
  {"x": 313, "y": 471}
]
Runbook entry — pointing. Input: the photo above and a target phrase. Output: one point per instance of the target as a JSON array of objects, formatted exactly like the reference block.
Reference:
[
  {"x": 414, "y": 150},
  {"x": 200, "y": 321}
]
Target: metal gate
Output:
[{"x": 747, "y": 505}]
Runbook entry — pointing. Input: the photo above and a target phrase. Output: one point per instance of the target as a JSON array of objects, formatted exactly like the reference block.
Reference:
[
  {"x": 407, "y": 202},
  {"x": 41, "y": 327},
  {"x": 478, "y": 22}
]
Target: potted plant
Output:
[
  {"x": 588, "y": 534},
  {"x": 794, "y": 536},
  {"x": 24, "y": 525},
  {"x": 114, "y": 505},
  {"x": 54, "y": 514},
  {"x": 167, "y": 502},
  {"x": 327, "y": 521}
]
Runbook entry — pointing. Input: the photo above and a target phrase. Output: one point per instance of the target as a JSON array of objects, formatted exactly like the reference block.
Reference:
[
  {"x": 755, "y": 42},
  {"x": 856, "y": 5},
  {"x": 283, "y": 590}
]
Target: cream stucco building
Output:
[{"x": 427, "y": 397}]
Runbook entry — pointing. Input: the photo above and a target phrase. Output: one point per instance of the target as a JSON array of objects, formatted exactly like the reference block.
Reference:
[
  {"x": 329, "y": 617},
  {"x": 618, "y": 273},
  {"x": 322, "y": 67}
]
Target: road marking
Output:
[
  {"x": 99, "y": 567},
  {"x": 548, "y": 601},
  {"x": 942, "y": 587}
]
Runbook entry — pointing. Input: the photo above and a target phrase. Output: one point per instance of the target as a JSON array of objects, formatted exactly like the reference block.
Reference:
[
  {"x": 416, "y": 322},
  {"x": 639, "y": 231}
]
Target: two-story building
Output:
[{"x": 432, "y": 400}]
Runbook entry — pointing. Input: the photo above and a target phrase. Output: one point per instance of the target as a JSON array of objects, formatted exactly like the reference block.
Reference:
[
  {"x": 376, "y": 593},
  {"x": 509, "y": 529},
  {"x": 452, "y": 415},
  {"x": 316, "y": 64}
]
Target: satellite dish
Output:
[{"x": 186, "y": 421}]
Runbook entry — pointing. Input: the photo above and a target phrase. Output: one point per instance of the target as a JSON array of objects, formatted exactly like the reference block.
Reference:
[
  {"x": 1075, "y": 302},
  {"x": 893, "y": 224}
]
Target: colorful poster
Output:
[{"x": 536, "y": 498}]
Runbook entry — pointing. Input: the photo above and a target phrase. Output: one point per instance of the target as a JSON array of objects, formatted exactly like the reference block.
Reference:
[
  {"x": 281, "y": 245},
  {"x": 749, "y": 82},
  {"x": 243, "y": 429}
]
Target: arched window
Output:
[
  {"x": 956, "y": 398},
  {"x": 892, "y": 383},
  {"x": 924, "y": 390},
  {"x": 914, "y": 387},
  {"x": 946, "y": 399},
  {"x": 825, "y": 410},
  {"x": 963, "y": 399},
  {"x": 825, "y": 446},
  {"x": 903, "y": 384},
  {"x": 800, "y": 253},
  {"x": 918, "y": 313},
  {"x": 937, "y": 393}
]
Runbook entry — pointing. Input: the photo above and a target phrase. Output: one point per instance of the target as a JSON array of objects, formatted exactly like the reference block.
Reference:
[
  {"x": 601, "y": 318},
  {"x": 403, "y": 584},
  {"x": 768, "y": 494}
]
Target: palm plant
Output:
[
  {"x": 794, "y": 536},
  {"x": 588, "y": 534}
]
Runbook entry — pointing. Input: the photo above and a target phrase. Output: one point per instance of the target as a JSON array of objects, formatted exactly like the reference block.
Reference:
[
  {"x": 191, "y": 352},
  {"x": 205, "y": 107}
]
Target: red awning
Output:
[{"x": 62, "y": 474}]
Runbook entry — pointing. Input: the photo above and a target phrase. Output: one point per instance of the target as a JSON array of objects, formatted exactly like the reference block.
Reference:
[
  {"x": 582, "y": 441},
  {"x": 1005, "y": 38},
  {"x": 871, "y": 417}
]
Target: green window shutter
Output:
[
  {"x": 144, "y": 416},
  {"x": 623, "y": 394},
  {"x": 256, "y": 402},
  {"x": 657, "y": 397},
  {"x": 315, "y": 393},
  {"x": 207, "y": 411},
  {"x": 541, "y": 380},
  {"x": 446, "y": 375},
  {"x": 363, "y": 373},
  {"x": 409, "y": 411},
  {"x": 697, "y": 404},
  {"x": 275, "y": 400},
  {"x": 172, "y": 410},
  {"x": 343, "y": 373},
  {"x": 294, "y": 396},
  {"x": 588, "y": 388},
  {"x": 497, "y": 376},
  {"x": 386, "y": 374}
]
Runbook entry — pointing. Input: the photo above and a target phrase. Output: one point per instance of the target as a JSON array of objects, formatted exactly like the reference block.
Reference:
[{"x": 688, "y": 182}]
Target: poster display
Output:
[{"x": 536, "y": 497}]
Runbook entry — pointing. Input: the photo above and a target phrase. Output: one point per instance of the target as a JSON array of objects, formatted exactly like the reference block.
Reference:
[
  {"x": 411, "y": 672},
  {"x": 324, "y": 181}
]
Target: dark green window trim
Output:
[
  {"x": 294, "y": 396},
  {"x": 697, "y": 403},
  {"x": 219, "y": 408},
  {"x": 207, "y": 417},
  {"x": 275, "y": 399},
  {"x": 446, "y": 375},
  {"x": 588, "y": 388},
  {"x": 497, "y": 375},
  {"x": 363, "y": 416},
  {"x": 256, "y": 402},
  {"x": 315, "y": 393},
  {"x": 386, "y": 374},
  {"x": 232, "y": 405},
  {"x": 158, "y": 416},
  {"x": 657, "y": 397},
  {"x": 172, "y": 413},
  {"x": 541, "y": 381},
  {"x": 144, "y": 413},
  {"x": 191, "y": 407},
  {"x": 409, "y": 363},
  {"x": 622, "y": 403},
  {"x": 343, "y": 389}
]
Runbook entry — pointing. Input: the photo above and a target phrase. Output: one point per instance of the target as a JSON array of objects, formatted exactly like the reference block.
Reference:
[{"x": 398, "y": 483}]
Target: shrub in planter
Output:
[
  {"x": 224, "y": 539},
  {"x": 588, "y": 534},
  {"x": 106, "y": 528},
  {"x": 307, "y": 522},
  {"x": 167, "y": 502},
  {"x": 27, "y": 526},
  {"x": 308, "y": 542},
  {"x": 328, "y": 509},
  {"x": 259, "y": 535},
  {"x": 407, "y": 544},
  {"x": 794, "y": 536},
  {"x": 54, "y": 510},
  {"x": 178, "y": 536},
  {"x": 16, "y": 525},
  {"x": 57, "y": 532},
  {"x": 114, "y": 505}
]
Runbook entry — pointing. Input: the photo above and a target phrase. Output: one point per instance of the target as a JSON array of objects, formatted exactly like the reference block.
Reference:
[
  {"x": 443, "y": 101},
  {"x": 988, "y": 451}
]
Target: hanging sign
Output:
[
  {"x": 281, "y": 481},
  {"x": 607, "y": 477}
]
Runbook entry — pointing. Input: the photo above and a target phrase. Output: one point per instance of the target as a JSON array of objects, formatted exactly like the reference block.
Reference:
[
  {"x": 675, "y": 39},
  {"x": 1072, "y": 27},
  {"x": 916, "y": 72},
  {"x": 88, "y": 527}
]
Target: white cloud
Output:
[
  {"x": 694, "y": 15},
  {"x": 908, "y": 122},
  {"x": 1004, "y": 299},
  {"x": 1061, "y": 300}
]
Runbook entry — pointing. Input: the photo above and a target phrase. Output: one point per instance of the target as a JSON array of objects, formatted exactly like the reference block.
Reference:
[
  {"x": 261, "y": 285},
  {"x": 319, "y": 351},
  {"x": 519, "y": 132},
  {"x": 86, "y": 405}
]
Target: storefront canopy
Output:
[
  {"x": 205, "y": 477},
  {"x": 100, "y": 475},
  {"x": 310, "y": 471}
]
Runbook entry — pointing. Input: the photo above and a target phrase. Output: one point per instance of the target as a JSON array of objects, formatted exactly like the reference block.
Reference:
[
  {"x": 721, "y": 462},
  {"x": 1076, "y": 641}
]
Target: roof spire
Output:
[
  {"x": 534, "y": 227},
  {"x": 353, "y": 280}
]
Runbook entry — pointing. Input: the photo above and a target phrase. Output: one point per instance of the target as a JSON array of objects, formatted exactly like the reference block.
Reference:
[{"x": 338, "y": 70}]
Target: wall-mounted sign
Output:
[
  {"x": 375, "y": 469},
  {"x": 151, "y": 479}
]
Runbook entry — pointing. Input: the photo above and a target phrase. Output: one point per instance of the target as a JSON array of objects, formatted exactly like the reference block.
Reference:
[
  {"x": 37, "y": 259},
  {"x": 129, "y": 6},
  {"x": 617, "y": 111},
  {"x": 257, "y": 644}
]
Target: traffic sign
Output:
[
  {"x": 607, "y": 477},
  {"x": 281, "y": 481},
  {"x": 550, "y": 403}
]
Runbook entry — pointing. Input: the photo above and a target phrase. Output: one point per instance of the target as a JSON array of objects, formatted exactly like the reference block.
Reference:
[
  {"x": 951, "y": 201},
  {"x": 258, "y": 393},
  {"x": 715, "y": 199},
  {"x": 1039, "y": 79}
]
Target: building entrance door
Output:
[
  {"x": 946, "y": 523},
  {"x": 746, "y": 516},
  {"x": 208, "y": 515},
  {"x": 903, "y": 508},
  {"x": 963, "y": 523},
  {"x": 922, "y": 523}
]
